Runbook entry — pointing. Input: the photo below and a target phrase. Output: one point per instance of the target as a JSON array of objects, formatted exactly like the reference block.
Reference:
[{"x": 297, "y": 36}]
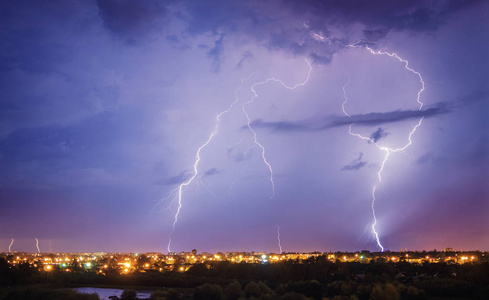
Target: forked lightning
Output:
[{"x": 387, "y": 150}]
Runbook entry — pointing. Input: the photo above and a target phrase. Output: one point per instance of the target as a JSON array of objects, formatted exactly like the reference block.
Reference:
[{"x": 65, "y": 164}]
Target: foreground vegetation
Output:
[{"x": 316, "y": 278}]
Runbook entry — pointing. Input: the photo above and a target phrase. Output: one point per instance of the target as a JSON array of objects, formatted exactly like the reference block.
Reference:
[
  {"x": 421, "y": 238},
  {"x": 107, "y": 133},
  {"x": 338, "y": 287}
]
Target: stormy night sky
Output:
[{"x": 105, "y": 103}]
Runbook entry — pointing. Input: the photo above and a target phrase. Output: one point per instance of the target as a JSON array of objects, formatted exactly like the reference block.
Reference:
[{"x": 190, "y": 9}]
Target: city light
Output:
[{"x": 181, "y": 262}]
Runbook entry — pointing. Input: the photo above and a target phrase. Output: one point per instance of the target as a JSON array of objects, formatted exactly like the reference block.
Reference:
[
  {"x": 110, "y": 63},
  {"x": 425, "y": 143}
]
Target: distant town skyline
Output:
[{"x": 141, "y": 126}]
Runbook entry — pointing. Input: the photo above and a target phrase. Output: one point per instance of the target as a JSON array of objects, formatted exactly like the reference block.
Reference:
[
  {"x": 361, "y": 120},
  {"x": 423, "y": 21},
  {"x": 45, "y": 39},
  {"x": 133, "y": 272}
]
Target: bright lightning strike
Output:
[
  {"x": 37, "y": 246},
  {"x": 278, "y": 239},
  {"x": 252, "y": 99},
  {"x": 180, "y": 189},
  {"x": 375, "y": 220},
  {"x": 346, "y": 98},
  {"x": 10, "y": 246},
  {"x": 383, "y": 148},
  {"x": 195, "y": 172},
  {"x": 406, "y": 66},
  {"x": 379, "y": 173}
]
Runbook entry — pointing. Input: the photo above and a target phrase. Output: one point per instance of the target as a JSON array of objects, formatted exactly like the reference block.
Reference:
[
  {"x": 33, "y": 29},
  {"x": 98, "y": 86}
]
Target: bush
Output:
[
  {"x": 292, "y": 296},
  {"x": 129, "y": 295},
  {"x": 208, "y": 292},
  {"x": 158, "y": 295},
  {"x": 413, "y": 293},
  {"x": 252, "y": 290},
  {"x": 389, "y": 292},
  {"x": 233, "y": 290}
]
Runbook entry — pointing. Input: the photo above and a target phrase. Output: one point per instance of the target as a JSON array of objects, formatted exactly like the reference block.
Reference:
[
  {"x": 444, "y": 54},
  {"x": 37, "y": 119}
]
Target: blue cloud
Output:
[
  {"x": 378, "y": 134},
  {"x": 355, "y": 164},
  {"x": 370, "y": 119},
  {"x": 131, "y": 20}
]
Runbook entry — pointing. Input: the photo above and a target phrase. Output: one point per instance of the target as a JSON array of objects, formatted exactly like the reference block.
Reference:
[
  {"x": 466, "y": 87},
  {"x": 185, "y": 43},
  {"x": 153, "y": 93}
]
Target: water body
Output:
[{"x": 105, "y": 293}]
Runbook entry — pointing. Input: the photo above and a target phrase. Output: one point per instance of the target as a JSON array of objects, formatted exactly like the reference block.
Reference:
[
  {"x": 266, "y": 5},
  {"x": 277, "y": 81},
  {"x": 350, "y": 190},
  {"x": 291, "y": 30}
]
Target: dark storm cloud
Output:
[
  {"x": 129, "y": 20},
  {"x": 381, "y": 15},
  {"x": 355, "y": 165},
  {"x": 269, "y": 23},
  {"x": 370, "y": 119},
  {"x": 378, "y": 134},
  {"x": 210, "y": 16},
  {"x": 257, "y": 20}
]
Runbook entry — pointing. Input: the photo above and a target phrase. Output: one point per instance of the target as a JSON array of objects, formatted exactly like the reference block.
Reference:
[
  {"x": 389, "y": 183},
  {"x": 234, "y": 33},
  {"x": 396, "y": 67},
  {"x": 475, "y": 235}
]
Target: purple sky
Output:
[{"x": 105, "y": 104}]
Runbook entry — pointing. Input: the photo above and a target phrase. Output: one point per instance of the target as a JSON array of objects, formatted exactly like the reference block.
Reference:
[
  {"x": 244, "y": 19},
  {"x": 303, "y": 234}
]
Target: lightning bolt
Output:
[
  {"x": 37, "y": 246},
  {"x": 10, "y": 246},
  {"x": 387, "y": 150},
  {"x": 406, "y": 66},
  {"x": 195, "y": 172},
  {"x": 376, "y": 234},
  {"x": 179, "y": 191},
  {"x": 278, "y": 239},
  {"x": 252, "y": 99},
  {"x": 346, "y": 98}
]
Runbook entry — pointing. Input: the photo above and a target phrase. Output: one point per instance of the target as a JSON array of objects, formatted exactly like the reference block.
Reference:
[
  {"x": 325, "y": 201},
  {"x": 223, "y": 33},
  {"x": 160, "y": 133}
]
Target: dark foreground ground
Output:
[{"x": 316, "y": 278}]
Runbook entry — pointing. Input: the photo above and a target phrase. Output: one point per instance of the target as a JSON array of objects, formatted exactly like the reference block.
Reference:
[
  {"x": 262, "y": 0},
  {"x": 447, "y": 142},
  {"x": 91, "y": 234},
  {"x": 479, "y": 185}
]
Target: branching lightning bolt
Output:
[
  {"x": 37, "y": 246},
  {"x": 406, "y": 66},
  {"x": 10, "y": 246},
  {"x": 180, "y": 189},
  {"x": 252, "y": 99},
  {"x": 383, "y": 148},
  {"x": 278, "y": 239}
]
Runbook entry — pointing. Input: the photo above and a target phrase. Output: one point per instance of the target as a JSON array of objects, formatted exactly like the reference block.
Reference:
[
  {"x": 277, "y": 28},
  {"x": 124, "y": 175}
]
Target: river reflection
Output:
[{"x": 105, "y": 293}]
